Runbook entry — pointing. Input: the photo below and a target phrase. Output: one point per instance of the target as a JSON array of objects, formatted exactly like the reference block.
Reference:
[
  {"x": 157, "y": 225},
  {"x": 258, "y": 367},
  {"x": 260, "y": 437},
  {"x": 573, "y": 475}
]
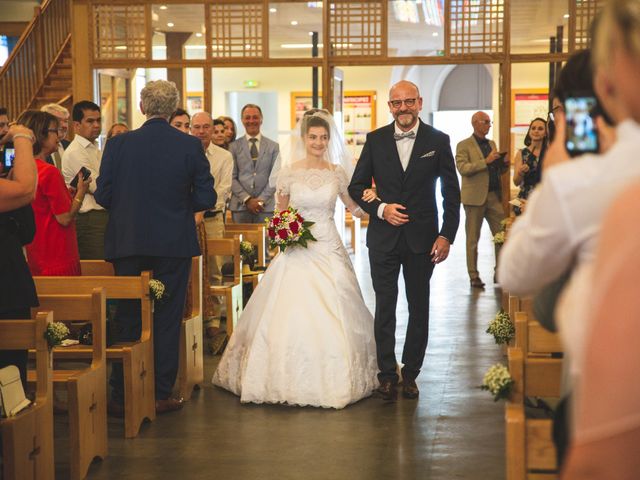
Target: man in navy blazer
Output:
[
  {"x": 152, "y": 180},
  {"x": 405, "y": 159}
]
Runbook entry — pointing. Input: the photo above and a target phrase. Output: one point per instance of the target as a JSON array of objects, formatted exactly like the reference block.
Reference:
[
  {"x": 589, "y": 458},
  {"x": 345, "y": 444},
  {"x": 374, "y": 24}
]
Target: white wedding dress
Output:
[{"x": 305, "y": 337}]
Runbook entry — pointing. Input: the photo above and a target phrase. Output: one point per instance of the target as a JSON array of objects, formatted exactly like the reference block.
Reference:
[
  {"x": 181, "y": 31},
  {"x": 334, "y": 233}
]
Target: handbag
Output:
[{"x": 12, "y": 398}]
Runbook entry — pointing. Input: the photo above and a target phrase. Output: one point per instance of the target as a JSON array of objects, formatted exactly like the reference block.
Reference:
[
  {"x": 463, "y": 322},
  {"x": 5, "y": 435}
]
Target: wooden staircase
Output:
[
  {"x": 57, "y": 87},
  {"x": 38, "y": 71}
]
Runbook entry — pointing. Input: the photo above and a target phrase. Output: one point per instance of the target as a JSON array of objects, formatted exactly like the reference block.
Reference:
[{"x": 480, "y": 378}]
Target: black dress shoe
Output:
[
  {"x": 477, "y": 283},
  {"x": 387, "y": 391},
  {"x": 168, "y": 405},
  {"x": 410, "y": 389}
]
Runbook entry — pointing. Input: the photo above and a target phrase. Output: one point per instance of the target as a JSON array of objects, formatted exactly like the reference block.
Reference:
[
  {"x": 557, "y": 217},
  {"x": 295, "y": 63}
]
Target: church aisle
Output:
[{"x": 454, "y": 430}]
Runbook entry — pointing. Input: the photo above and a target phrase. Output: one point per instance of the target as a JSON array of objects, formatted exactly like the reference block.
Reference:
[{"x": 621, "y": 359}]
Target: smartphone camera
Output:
[
  {"x": 581, "y": 136},
  {"x": 8, "y": 156}
]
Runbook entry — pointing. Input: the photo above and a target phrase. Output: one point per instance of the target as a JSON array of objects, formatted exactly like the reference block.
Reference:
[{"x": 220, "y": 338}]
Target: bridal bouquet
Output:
[{"x": 287, "y": 229}]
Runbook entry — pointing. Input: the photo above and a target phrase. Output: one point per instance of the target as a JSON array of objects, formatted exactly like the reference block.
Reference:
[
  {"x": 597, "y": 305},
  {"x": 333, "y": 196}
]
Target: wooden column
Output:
[
  {"x": 175, "y": 44},
  {"x": 81, "y": 54}
]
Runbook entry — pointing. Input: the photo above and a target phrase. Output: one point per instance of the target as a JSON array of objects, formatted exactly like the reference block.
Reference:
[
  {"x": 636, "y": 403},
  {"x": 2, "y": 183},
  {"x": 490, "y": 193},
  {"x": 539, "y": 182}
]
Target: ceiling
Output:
[{"x": 532, "y": 23}]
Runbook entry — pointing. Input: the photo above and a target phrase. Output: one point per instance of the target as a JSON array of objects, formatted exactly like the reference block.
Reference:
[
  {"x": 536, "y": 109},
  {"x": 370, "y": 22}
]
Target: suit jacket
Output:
[
  {"x": 251, "y": 179},
  {"x": 415, "y": 188},
  {"x": 474, "y": 171},
  {"x": 152, "y": 180}
]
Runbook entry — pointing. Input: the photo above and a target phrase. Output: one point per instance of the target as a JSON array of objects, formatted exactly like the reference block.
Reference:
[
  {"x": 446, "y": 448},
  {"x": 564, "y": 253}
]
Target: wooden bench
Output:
[
  {"x": 27, "y": 438},
  {"x": 136, "y": 357},
  {"x": 355, "y": 225},
  {"x": 530, "y": 452},
  {"x": 254, "y": 233},
  {"x": 191, "y": 360},
  {"x": 86, "y": 388},
  {"x": 231, "y": 290}
]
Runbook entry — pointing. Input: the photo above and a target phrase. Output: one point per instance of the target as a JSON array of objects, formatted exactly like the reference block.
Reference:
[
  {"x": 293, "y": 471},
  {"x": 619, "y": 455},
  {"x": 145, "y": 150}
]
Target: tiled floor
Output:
[{"x": 454, "y": 430}]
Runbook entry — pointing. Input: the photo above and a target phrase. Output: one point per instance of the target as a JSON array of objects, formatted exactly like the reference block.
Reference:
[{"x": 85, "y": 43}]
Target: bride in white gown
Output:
[{"x": 306, "y": 337}]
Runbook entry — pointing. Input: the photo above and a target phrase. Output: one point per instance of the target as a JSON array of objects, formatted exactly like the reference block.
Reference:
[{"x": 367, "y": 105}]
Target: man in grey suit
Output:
[{"x": 254, "y": 155}]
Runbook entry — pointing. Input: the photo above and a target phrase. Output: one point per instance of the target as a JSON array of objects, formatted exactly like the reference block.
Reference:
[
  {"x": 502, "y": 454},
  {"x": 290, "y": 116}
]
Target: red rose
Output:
[
  {"x": 283, "y": 234},
  {"x": 299, "y": 218},
  {"x": 272, "y": 233},
  {"x": 276, "y": 221},
  {"x": 294, "y": 226}
]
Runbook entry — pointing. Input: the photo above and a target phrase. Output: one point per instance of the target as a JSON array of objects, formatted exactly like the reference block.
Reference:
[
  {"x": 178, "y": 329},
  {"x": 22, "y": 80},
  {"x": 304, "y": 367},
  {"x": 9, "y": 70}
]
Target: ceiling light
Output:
[
  {"x": 163, "y": 7},
  {"x": 566, "y": 15},
  {"x": 294, "y": 22},
  {"x": 170, "y": 24},
  {"x": 121, "y": 47},
  {"x": 273, "y": 10},
  {"x": 198, "y": 34},
  {"x": 434, "y": 34}
]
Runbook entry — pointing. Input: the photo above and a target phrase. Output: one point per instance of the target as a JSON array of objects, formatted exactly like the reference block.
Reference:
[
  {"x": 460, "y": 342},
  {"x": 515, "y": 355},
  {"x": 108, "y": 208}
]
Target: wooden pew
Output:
[
  {"x": 136, "y": 357},
  {"x": 191, "y": 360},
  {"x": 355, "y": 225},
  {"x": 256, "y": 234},
  {"x": 231, "y": 290},
  {"x": 530, "y": 452},
  {"x": 86, "y": 388},
  {"x": 27, "y": 438}
]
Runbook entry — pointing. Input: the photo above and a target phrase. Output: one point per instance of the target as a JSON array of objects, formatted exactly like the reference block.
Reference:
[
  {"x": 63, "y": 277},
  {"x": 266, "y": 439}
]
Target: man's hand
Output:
[
  {"x": 393, "y": 215},
  {"x": 440, "y": 250},
  {"x": 199, "y": 218},
  {"x": 492, "y": 157},
  {"x": 255, "y": 205}
]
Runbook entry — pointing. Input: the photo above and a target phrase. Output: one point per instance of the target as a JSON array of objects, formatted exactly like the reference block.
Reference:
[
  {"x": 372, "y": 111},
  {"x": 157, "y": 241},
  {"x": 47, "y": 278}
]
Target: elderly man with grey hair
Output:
[
  {"x": 62, "y": 114},
  {"x": 152, "y": 180}
]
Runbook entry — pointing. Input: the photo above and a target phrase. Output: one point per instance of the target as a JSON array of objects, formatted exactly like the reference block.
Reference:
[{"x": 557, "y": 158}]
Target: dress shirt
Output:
[
  {"x": 221, "y": 162},
  {"x": 404, "y": 146},
  {"x": 83, "y": 153},
  {"x": 560, "y": 227},
  {"x": 493, "y": 167}
]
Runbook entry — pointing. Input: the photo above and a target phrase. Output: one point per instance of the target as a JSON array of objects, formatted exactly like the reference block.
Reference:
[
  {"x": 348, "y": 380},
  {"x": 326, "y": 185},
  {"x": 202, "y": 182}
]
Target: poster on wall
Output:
[
  {"x": 194, "y": 102},
  {"x": 526, "y": 104},
  {"x": 300, "y": 103}
]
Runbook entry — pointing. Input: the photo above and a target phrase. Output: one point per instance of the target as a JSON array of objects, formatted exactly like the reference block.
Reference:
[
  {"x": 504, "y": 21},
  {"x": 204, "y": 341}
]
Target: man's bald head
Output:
[
  {"x": 202, "y": 127},
  {"x": 481, "y": 124}
]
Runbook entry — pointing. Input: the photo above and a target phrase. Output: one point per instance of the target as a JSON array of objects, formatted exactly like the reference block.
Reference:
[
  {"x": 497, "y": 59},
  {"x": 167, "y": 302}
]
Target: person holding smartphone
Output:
[
  {"x": 54, "y": 250},
  {"x": 527, "y": 160}
]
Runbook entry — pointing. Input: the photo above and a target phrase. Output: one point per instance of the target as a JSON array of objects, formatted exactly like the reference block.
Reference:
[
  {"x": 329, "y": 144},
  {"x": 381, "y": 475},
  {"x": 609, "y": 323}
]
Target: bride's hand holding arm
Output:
[
  {"x": 369, "y": 195},
  {"x": 282, "y": 201}
]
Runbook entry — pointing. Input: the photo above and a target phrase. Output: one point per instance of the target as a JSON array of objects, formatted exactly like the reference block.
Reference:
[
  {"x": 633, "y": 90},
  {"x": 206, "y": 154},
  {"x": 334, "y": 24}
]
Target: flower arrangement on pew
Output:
[
  {"x": 248, "y": 251},
  {"x": 502, "y": 328},
  {"x": 55, "y": 333},
  {"x": 499, "y": 238},
  {"x": 287, "y": 229},
  {"x": 157, "y": 290},
  {"x": 497, "y": 381}
]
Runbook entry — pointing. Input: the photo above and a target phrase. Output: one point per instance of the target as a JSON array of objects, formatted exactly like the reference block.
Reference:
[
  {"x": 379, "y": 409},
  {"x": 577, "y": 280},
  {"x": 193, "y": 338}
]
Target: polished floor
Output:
[{"x": 453, "y": 431}]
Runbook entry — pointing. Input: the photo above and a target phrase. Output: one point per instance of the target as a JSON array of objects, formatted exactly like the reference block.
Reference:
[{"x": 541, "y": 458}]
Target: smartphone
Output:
[
  {"x": 86, "y": 173},
  {"x": 581, "y": 135},
  {"x": 8, "y": 157}
]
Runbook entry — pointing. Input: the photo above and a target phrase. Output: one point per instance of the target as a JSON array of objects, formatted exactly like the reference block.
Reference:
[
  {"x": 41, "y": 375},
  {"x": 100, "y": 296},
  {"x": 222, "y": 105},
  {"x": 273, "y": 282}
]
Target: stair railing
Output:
[{"x": 33, "y": 57}]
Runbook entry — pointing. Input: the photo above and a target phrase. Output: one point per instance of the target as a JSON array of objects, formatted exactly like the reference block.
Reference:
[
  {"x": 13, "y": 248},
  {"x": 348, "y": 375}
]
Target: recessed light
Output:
[
  {"x": 273, "y": 10},
  {"x": 198, "y": 34},
  {"x": 163, "y": 7},
  {"x": 434, "y": 34},
  {"x": 566, "y": 15},
  {"x": 294, "y": 22},
  {"x": 170, "y": 24}
]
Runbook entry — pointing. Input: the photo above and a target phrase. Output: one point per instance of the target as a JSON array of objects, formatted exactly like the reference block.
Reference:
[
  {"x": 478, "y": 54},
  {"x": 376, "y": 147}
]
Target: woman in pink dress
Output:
[{"x": 54, "y": 250}]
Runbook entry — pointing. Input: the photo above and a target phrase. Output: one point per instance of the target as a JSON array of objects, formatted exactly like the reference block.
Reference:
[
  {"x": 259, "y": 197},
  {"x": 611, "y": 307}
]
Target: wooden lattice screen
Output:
[
  {"x": 120, "y": 32},
  {"x": 236, "y": 30},
  {"x": 585, "y": 11},
  {"x": 476, "y": 26},
  {"x": 355, "y": 28}
]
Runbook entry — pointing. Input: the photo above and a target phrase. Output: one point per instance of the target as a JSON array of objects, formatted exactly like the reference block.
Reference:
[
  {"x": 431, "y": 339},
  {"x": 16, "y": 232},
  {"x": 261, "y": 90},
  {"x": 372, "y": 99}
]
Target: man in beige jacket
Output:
[{"x": 481, "y": 166}]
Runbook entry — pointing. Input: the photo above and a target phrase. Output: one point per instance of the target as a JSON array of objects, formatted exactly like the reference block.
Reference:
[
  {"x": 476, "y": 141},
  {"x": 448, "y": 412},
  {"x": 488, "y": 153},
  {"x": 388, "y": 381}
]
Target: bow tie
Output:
[{"x": 400, "y": 136}]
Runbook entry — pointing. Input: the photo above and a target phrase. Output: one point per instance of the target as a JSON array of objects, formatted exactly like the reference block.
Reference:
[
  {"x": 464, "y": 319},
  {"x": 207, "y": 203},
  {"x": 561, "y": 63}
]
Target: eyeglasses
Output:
[
  {"x": 554, "y": 110},
  {"x": 409, "y": 102}
]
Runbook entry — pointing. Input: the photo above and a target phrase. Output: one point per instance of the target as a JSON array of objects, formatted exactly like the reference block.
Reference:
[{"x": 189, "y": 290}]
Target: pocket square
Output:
[{"x": 429, "y": 154}]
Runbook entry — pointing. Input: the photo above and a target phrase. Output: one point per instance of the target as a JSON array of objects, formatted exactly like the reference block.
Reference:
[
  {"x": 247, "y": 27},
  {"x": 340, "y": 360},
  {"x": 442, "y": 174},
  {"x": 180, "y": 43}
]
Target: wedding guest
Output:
[
  {"x": 152, "y": 227},
  {"x": 17, "y": 228},
  {"x": 219, "y": 136},
  {"x": 254, "y": 156},
  {"x": 481, "y": 167},
  {"x": 54, "y": 250},
  {"x": 180, "y": 119},
  {"x": 62, "y": 114},
  {"x": 117, "y": 129},
  {"x": 230, "y": 129},
  {"x": 84, "y": 152},
  {"x": 527, "y": 160},
  {"x": 607, "y": 427},
  {"x": 561, "y": 225}
]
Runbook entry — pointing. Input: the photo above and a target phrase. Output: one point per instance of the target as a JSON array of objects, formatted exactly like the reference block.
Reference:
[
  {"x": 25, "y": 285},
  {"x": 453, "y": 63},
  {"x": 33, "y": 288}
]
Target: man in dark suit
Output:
[
  {"x": 152, "y": 180},
  {"x": 405, "y": 159}
]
